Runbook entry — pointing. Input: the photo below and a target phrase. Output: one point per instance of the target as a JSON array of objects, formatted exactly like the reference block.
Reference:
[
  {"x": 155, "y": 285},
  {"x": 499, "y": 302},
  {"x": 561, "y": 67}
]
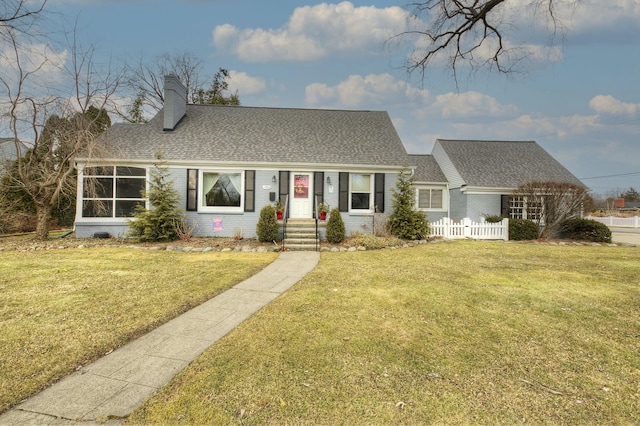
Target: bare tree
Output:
[
  {"x": 473, "y": 32},
  {"x": 19, "y": 16},
  {"x": 50, "y": 130},
  {"x": 550, "y": 203},
  {"x": 146, "y": 80}
]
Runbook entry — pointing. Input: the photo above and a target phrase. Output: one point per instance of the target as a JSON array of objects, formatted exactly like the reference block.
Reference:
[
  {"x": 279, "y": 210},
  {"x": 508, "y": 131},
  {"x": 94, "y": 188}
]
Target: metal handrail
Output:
[
  {"x": 316, "y": 217},
  {"x": 284, "y": 219}
]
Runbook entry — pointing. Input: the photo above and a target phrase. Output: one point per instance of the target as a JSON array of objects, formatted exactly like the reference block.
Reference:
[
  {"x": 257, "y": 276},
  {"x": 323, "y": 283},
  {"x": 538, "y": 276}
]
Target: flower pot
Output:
[
  {"x": 279, "y": 215},
  {"x": 323, "y": 215}
]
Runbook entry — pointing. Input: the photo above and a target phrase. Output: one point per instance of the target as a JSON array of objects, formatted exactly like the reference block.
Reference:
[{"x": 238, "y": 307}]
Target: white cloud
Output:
[
  {"x": 244, "y": 84},
  {"x": 386, "y": 91},
  {"x": 531, "y": 127},
  {"x": 586, "y": 19},
  {"x": 606, "y": 104},
  {"x": 470, "y": 104},
  {"x": 602, "y": 18},
  {"x": 358, "y": 91},
  {"x": 314, "y": 32},
  {"x": 45, "y": 65}
]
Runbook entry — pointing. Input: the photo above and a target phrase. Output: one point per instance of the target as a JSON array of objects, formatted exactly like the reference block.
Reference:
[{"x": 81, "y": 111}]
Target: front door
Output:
[{"x": 302, "y": 195}]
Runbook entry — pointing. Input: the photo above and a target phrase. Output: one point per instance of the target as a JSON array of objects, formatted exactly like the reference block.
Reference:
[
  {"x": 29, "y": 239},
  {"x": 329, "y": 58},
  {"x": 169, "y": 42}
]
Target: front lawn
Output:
[
  {"x": 451, "y": 333},
  {"x": 61, "y": 309}
]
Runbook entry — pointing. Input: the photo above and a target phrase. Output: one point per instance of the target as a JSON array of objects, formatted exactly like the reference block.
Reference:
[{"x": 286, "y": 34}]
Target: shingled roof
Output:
[
  {"x": 216, "y": 133},
  {"x": 426, "y": 169},
  {"x": 504, "y": 164}
]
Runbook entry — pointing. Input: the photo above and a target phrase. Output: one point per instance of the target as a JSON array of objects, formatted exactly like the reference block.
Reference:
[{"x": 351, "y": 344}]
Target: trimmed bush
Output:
[
  {"x": 585, "y": 230},
  {"x": 494, "y": 218},
  {"x": 267, "y": 227},
  {"x": 523, "y": 229},
  {"x": 335, "y": 227}
]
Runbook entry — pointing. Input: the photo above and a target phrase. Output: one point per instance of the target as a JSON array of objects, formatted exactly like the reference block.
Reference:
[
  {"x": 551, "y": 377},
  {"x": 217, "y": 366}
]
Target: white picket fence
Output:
[
  {"x": 466, "y": 228},
  {"x": 627, "y": 222}
]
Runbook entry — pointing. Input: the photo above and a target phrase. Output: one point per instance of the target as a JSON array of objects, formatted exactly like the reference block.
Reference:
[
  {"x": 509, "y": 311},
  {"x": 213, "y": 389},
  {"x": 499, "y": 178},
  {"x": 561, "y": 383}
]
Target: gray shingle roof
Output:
[
  {"x": 504, "y": 164},
  {"x": 426, "y": 169},
  {"x": 215, "y": 133}
]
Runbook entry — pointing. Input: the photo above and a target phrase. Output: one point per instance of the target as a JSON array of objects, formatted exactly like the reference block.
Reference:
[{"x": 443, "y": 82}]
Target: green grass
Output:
[
  {"x": 63, "y": 308},
  {"x": 453, "y": 333}
]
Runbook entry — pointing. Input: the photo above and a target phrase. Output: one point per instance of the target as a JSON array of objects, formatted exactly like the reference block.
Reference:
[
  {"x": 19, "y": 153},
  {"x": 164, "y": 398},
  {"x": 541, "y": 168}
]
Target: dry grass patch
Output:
[
  {"x": 61, "y": 309},
  {"x": 456, "y": 333}
]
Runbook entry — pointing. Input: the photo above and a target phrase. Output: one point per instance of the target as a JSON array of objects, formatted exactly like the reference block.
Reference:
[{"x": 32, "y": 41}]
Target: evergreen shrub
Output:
[
  {"x": 159, "y": 222},
  {"x": 267, "y": 227},
  {"x": 405, "y": 221},
  {"x": 336, "y": 231},
  {"x": 585, "y": 230}
]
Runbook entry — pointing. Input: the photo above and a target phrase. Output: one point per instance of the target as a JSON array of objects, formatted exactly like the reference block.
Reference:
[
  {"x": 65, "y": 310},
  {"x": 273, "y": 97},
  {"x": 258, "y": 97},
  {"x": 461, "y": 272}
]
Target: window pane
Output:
[
  {"x": 98, "y": 171},
  {"x": 98, "y": 188},
  {"x": 300, "y": 186},
  {"x": 97, "y": 208},
  {"x": 191, "y": 200},
  {"x": 423, "y": 198},
  {"x": 516, "y": 207},
  {"x": 192, "y": 179},
  {"x": 360, "y": 200},
  {"x": 436, "y": 198},
  {"x": 125, "y": 208},
  {"x": 130, "y": 171},
  {"x": 222, "y": 190},
  {"x": 360, "y": 183},
  {"x": 129, "y": 188}
]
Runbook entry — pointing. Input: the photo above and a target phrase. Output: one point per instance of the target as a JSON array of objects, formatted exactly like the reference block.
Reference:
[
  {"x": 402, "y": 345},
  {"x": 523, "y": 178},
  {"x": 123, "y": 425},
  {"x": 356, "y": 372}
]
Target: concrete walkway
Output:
[
  {"x": 625, "y": 235},
  {"x": 115, "y": 385}
]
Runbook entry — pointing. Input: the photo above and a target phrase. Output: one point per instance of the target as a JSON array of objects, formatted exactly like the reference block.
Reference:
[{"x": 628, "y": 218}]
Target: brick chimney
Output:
[{"x": 175, "y": 101}]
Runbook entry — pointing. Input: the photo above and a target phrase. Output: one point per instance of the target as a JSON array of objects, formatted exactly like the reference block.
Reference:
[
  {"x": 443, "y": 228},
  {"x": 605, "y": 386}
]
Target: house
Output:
[
  {"x": 228, "y": 162},
  {"x": 482, "y": 175}
]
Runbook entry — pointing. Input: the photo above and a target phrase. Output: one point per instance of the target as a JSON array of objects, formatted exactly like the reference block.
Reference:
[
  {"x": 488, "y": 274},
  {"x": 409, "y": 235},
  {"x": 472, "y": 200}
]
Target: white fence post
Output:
[{"x": 505, "y": 229}]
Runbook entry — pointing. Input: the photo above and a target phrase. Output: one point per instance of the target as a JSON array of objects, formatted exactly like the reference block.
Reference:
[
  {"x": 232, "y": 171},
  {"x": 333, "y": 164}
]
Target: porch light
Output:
[
  {"x": 328, "y": 180},
  {"x": 273, "y": 179}
]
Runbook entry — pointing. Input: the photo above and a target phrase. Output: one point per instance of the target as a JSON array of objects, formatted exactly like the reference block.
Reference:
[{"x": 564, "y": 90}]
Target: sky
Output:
[{"x": 577, "y": 95}]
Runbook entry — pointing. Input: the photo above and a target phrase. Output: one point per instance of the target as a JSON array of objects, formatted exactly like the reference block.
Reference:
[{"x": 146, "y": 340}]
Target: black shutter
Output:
[
  {"x": 343, "y": 192},
  {"x": 318, "y": 188},
  {"x": 379, "y": 193},
  {"x": 192, "y": 190},
  {"x": 283, "y": 187},
  {"x": 504, "y": 205},
  {"x": 249, "y": 190}
]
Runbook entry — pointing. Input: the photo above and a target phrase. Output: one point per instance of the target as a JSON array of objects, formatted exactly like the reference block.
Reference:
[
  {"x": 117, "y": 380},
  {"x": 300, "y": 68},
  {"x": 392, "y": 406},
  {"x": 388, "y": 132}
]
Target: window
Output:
[
  {"x": 516, "y": 208},
  {"x": 430, "y": 198},
  {"x": 221, "y": 191},
  {"x": 361, "y": 191},
  {"x": 112, "y": 191},
  {"x": 522, "y": 208}
]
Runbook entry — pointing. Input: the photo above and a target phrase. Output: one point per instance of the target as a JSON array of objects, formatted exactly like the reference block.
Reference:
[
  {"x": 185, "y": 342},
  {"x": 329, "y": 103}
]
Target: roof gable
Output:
[
  {"x": 426, "y": 169},
  {"x": 504, "y": 164},
  {"x": 216, "y": 133}
]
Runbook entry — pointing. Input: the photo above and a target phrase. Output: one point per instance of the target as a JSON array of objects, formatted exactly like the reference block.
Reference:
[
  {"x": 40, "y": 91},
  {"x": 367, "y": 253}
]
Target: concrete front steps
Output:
[{"x": 300, "y": 235}]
